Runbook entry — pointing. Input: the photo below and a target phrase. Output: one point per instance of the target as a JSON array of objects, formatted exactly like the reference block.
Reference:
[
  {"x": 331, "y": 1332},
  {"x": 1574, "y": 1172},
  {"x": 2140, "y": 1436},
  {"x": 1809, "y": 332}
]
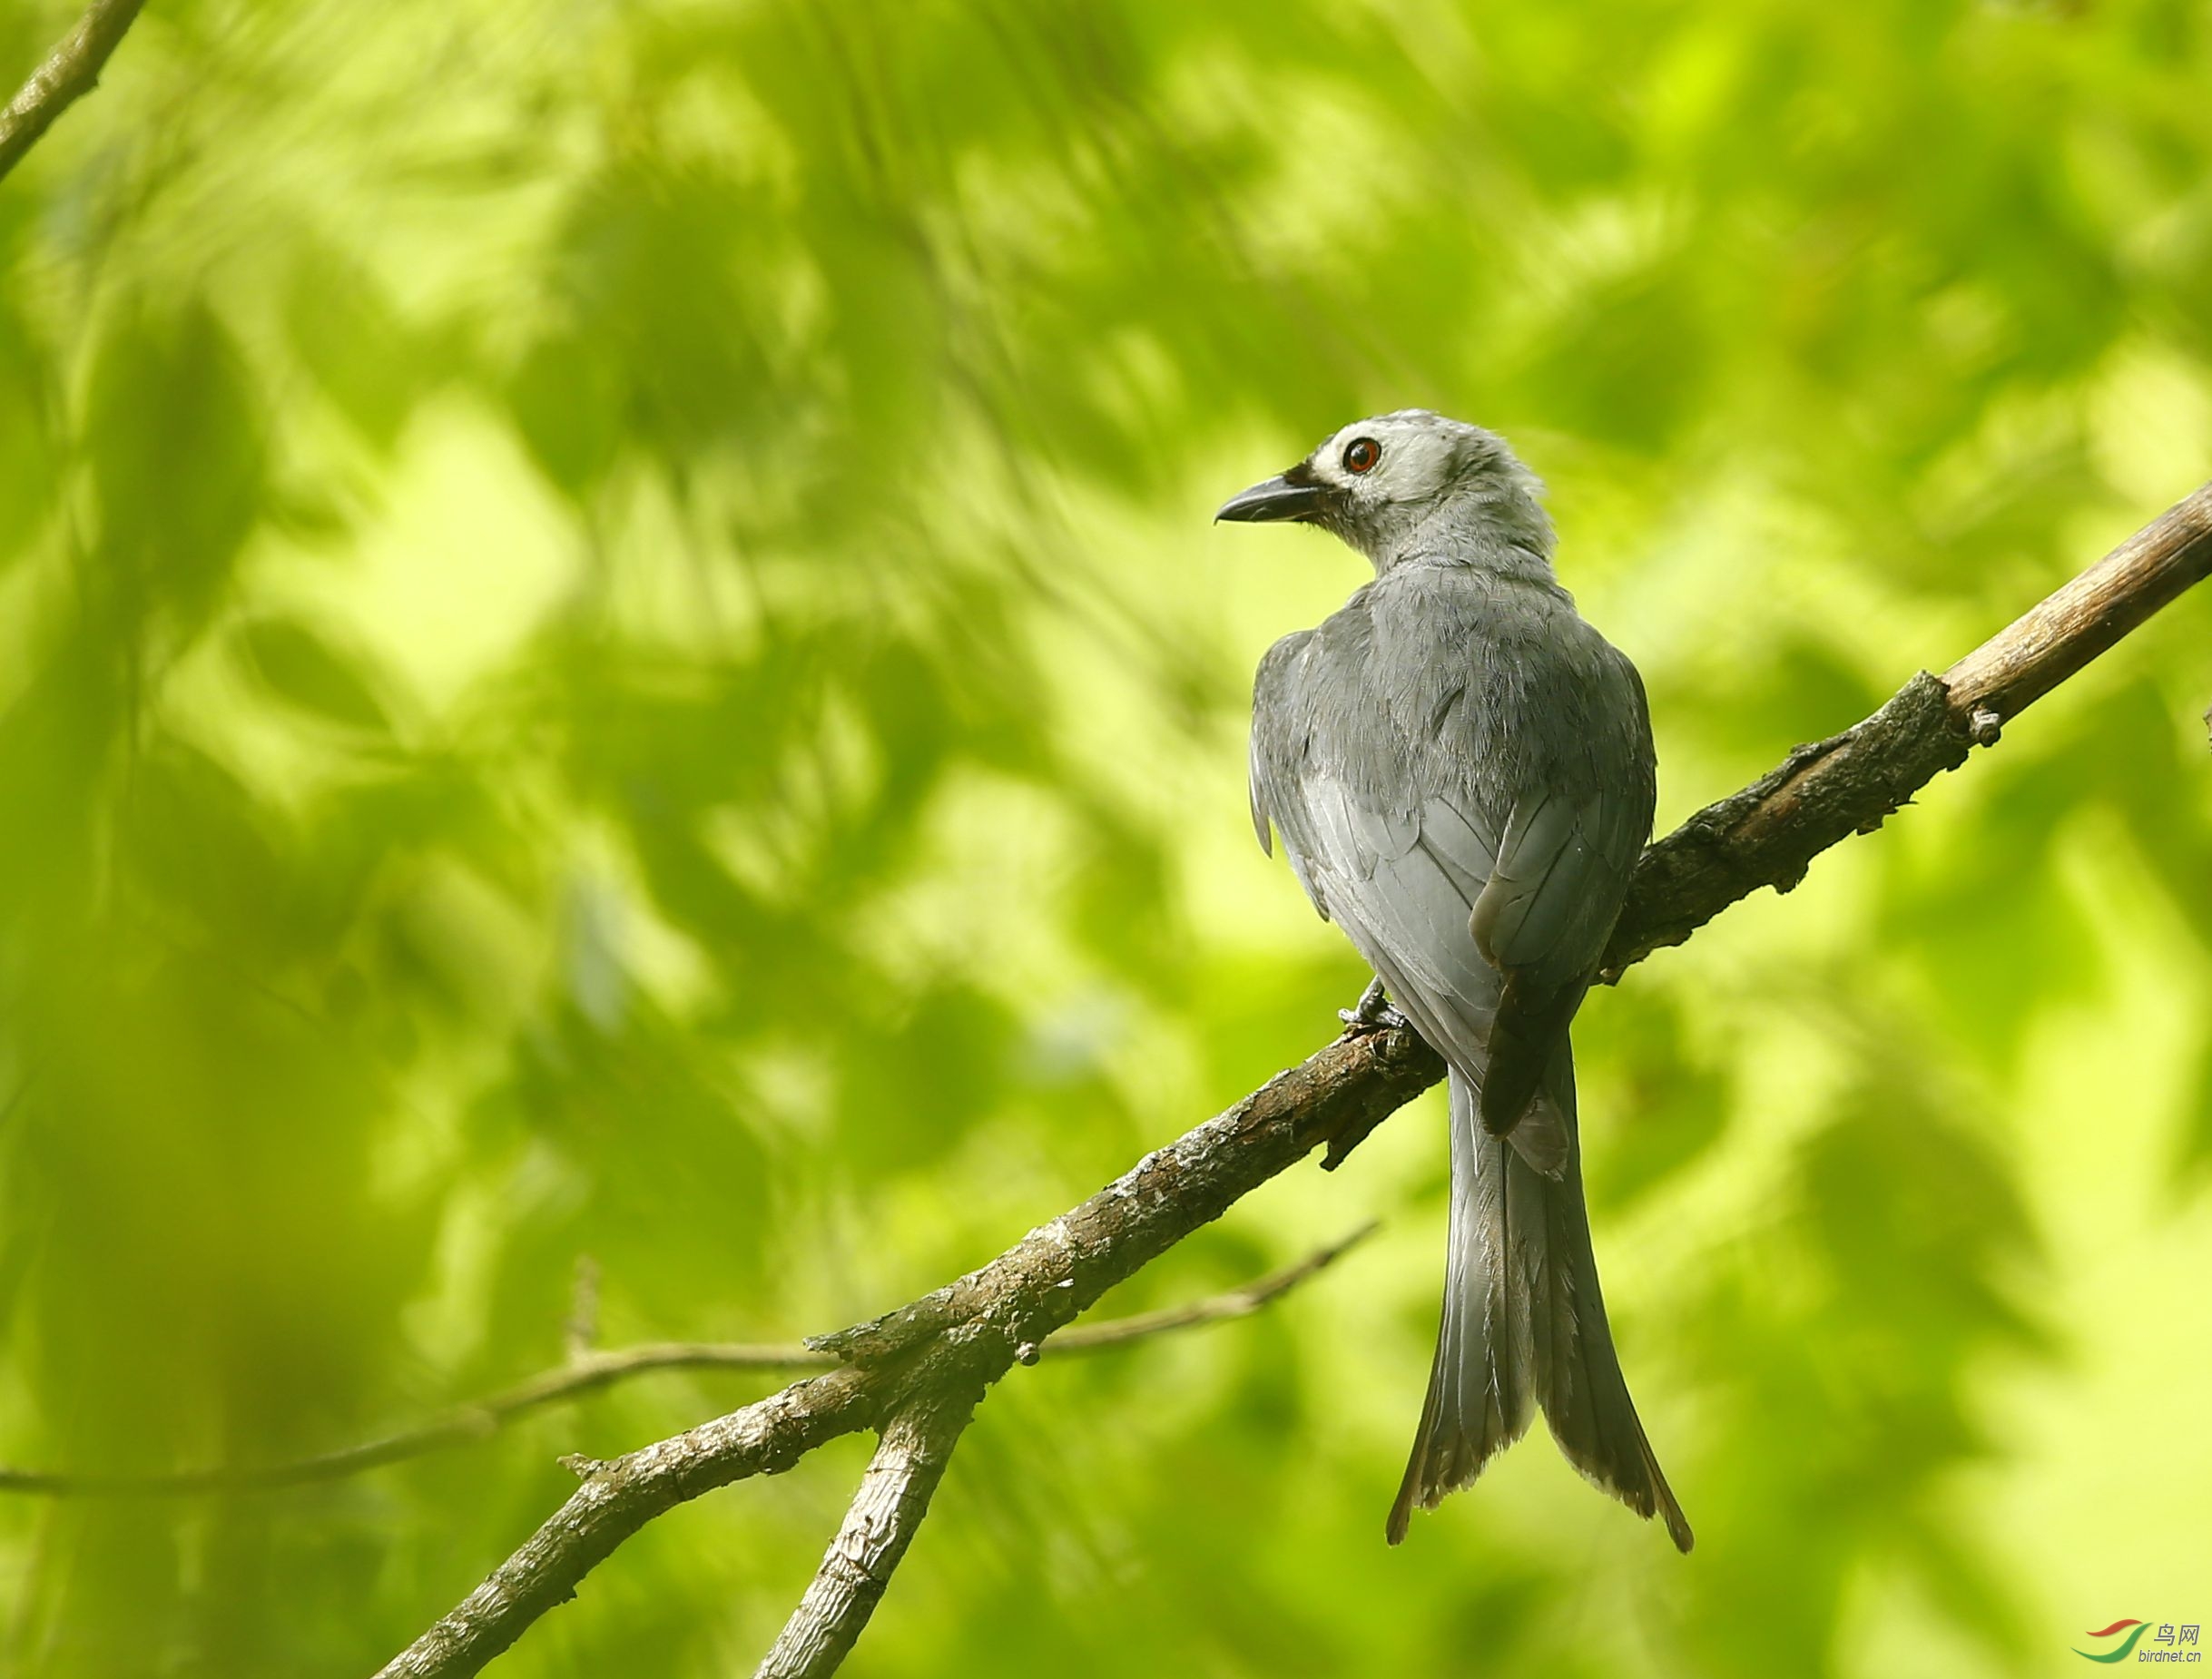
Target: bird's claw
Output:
[{"x": 1375, "y": 1011}]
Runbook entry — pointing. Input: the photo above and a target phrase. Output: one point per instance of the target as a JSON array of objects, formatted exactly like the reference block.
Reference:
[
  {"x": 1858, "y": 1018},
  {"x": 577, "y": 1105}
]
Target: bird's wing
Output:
[
  {"x": 1397, "y": 866},
  {"x": 1569, "y": 842},
  {"x": 1563, "y": 863}
]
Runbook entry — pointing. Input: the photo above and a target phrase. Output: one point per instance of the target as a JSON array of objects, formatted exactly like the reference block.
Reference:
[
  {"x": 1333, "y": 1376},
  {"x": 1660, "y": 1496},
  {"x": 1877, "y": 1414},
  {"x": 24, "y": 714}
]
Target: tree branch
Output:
[
  {"x": 1850, "y": 783},
  {"x": 619, "y": 1498},
  {"x": 71, "y": 70},
  {"x": 894, "y": 1496},
  {"x": 916, "y": 1446},
  {"x": 2039, "y": 650},
  {"x": 590, "y": 1372},
  {"x": 1008, "y": 1309},
  {"x": 950, "y": 1345}
]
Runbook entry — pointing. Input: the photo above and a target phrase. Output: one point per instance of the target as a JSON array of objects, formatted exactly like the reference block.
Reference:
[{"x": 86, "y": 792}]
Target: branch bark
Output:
[
  {"x": 948, "y": 1347},
  {"x": 619, "y": 1498},
  {"x": 1768, "y": 834},
  {"x": 856, "y": 1571},
  {"x": 70, "y": 72}
]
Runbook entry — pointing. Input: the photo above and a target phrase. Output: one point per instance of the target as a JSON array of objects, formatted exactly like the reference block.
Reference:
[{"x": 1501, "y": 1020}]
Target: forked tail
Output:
[{"x": 1524, "y": 1326}]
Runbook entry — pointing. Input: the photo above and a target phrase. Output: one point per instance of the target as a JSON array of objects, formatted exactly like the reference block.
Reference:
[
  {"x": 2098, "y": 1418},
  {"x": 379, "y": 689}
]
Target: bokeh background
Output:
[{"x": 610, "y": 656}]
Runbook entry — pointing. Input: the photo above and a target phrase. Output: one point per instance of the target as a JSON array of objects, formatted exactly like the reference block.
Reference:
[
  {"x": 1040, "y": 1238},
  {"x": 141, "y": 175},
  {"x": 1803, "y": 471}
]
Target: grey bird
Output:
[{"x": 1461, "y": 770}]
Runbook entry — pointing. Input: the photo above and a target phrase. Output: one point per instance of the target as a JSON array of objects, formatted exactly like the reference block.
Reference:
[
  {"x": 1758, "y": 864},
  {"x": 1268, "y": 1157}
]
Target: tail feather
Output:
[{"x": 1524, "y": 1327}]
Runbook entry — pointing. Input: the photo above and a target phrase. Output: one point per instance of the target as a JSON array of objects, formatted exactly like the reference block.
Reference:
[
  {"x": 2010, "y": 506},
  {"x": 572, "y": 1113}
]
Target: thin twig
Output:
[
  {"x": 1236, "y": 1303},
  {"x": 580, "y": 1334},
  {"x": 594, "y": 1371},
  {"x": 966, "y": 1335},
  {"x": 457, "y": 1426},
  {"x": 71, "y": 70}
]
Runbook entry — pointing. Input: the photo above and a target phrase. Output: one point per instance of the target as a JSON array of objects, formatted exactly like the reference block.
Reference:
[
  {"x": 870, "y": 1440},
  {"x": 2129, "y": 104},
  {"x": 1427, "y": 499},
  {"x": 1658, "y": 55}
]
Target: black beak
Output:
[{"x": 1291, "y": 495}]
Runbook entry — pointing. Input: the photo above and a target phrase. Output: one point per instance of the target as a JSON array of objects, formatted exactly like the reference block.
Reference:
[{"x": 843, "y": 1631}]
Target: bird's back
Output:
[{"x": 1443, "y": 682}]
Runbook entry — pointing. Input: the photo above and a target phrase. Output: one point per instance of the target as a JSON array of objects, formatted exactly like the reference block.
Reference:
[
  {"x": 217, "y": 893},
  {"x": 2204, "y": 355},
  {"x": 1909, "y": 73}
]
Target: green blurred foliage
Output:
[{"x": 610, "y": 650}]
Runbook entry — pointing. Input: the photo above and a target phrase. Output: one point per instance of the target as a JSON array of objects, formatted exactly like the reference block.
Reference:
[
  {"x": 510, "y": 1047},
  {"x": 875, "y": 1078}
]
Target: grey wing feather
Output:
[
  {"x": 1392, "y": 904},
  {"x": 1267, "y": 748},
  {"x": 1549, "y": 905},
  {"x": 1572, "y": 838},
  {"x": 1397, "y": 871}
]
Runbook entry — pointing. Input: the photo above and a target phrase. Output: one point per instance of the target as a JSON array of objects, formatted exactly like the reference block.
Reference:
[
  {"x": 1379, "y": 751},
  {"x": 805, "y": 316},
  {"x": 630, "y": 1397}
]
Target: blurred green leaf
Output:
[
  {"x": 29, "y": 463},
  {"x": 173, "y": 439},
  {"x": 349, "y": 337},
  {"x": 299, "y": 667}
]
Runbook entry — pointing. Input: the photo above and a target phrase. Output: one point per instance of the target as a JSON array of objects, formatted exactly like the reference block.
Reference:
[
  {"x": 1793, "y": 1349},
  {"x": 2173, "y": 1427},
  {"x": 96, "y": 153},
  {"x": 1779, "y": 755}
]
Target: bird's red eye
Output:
[{"x": 1360, "y": 455}]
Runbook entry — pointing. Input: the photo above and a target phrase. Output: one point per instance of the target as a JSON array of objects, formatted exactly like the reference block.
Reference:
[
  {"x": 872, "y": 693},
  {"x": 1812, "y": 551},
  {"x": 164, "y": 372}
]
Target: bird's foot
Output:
[{"x": 1375, "y": 1011}]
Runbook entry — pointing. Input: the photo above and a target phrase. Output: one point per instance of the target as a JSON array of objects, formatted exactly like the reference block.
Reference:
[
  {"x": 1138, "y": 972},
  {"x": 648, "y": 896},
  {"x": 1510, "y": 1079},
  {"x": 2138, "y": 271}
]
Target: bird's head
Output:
[{"x": 1408, "y": 483}]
